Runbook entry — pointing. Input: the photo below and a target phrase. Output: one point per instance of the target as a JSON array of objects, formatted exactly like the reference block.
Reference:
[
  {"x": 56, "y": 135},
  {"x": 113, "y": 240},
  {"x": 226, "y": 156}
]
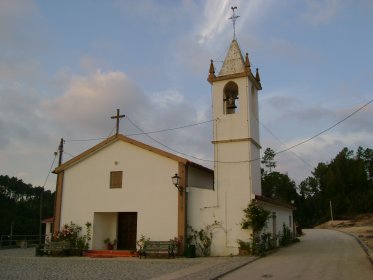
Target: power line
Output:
[
  {"x": 167, "y": 129},
  {"x": 327, "y": 129},
  {"x": 274, "y": 136},
  {"x": 160, "y": 143},
  {"x": 84, "y": 140},
  {"x": 50, "y": 169},
  {"x": 287, "y": 149},
  {"x": 181, "y": 153},
  {"x": 142, "y": 131},
  {"x": 111, "y": 132},
  {"x": 207, "y": 160},
  {"x": 72, "y": 156}
]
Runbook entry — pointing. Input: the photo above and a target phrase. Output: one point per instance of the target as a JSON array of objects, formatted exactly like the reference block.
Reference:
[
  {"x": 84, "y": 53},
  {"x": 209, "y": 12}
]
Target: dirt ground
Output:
[{"x": 362, "y": 226}]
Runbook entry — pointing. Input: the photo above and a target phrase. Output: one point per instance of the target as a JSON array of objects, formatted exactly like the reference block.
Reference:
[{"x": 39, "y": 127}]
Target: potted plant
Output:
[
  {"x": 190, "y": 251},
  {"x": 110, "y": 245},
  {"x": 244, "y": 248}
]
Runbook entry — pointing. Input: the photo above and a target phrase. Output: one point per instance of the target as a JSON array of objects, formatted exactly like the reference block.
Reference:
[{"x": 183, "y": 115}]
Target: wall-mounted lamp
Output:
[{"x": 176, "y": 181}]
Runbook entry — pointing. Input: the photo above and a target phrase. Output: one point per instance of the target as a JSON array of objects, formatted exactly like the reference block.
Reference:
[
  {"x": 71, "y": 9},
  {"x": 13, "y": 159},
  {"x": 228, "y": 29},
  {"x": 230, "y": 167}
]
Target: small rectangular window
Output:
[{"x": 116, "y": 178}]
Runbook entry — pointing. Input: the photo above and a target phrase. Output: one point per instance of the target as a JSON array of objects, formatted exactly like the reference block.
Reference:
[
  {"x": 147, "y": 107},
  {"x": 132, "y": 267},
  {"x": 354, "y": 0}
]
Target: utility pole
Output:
[
  {"x": 40, "y": 214},
  {"x": 60, "y": 151},
  {"x": 11, "y": 233},
  {"x": 331, "y": 209}
]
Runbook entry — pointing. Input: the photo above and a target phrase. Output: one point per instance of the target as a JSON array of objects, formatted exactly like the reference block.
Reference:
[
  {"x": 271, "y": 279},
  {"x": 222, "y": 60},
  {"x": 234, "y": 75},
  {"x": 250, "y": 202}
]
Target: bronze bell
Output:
[{"x": 231, "y": 104}]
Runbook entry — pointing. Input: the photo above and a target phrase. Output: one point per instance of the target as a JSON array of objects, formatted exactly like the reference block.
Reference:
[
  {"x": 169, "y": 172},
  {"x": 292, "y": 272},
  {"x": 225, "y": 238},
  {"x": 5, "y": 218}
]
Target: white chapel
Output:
[{"x": 124, "y": 189}]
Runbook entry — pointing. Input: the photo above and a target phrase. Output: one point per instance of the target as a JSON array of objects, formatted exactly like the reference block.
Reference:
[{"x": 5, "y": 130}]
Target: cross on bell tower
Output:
[
  {"x": 117, "y": 117},
  {"x": 234, "y": 18}
]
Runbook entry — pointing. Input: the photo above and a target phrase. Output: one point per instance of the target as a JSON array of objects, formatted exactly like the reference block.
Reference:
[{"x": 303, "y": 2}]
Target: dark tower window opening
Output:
[{"x": 230, "y": 98}]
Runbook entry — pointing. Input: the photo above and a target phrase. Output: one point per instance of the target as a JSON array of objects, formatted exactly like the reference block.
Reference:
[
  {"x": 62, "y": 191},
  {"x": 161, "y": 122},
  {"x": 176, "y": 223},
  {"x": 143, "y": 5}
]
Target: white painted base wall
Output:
[{"x": 206, "y": 208}]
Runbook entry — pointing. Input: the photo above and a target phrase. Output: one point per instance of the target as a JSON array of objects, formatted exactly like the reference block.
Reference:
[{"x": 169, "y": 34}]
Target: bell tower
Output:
[{"x": 236, "y": 145}]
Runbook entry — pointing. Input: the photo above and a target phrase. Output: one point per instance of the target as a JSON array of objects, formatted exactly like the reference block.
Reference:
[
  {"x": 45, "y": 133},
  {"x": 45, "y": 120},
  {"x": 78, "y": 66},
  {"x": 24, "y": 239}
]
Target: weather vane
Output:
[{"x": 234, "y": 18}]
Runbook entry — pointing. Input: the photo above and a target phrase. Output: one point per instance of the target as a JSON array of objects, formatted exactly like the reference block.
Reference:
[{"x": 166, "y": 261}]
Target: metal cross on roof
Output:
[
  {"x": 118, "y": 116},
  {"x": 234, "y": 18}
]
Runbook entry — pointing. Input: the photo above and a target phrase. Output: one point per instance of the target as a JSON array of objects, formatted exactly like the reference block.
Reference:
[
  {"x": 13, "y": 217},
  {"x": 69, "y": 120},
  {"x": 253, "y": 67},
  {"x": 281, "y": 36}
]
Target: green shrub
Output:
[
  {"x": 286, "y": 237},
  {"x": 202, "y": 239},
  {"x": 256, "y": 217}
]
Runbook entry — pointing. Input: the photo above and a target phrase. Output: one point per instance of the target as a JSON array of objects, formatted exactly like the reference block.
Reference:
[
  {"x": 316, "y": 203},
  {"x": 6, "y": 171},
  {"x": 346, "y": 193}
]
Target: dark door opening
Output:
[{"x": 127, "y": 230}]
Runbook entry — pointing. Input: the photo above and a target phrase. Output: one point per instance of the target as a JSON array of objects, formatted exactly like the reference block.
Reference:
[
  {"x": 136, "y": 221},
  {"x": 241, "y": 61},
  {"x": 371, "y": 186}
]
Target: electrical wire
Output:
[
  {"x": 72, "y": 156},
  {"x": 142, "y": 132},
  {"x": 50, "y": 169},
  {"x": 327, "y": 129},
  {"x": 274, "y": 136},
  {"x": 111, "y": 132},
  {"x": 276, "y": 153},
  {"x": 167, "y": 129},
  {"x": 160, "y": 143},
  {"x": 243, "y": 161}
]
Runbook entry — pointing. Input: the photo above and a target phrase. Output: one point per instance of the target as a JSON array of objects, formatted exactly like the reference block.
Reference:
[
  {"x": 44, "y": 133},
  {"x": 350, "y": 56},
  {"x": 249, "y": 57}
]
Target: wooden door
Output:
[{"x": 127, "y": 230}]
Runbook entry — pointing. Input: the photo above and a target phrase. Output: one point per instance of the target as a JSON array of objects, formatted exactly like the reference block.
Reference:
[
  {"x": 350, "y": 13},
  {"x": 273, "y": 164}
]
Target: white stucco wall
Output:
[
  {"x": 283, "y": 216},
  {"x": 237, "y": 177},
  {"x": 48, "y": 232},
  {"x": 107, "y": 221},
  {"x": 147, "y": 189},
  {"x": 200, "y": 196}
]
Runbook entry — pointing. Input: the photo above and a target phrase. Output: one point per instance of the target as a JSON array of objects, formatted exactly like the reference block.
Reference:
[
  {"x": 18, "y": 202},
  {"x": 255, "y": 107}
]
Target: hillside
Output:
[{"x": 362, "y": 226}]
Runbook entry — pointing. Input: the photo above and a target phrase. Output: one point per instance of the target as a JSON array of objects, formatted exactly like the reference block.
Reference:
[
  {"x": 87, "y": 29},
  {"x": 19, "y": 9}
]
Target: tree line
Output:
[
  {"x": 20, "y": 206},
  {"x": 342, "y": 187}
]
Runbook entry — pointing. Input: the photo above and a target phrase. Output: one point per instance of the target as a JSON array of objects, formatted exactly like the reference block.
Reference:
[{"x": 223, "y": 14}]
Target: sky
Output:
[{"x": 66, "y": 66}]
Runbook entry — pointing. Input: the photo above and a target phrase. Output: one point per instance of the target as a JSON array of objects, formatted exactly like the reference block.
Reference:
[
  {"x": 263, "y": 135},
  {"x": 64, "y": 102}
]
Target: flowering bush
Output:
[
  {"x": 175, "y": 245},
  {"x": 71, "y": 234}
]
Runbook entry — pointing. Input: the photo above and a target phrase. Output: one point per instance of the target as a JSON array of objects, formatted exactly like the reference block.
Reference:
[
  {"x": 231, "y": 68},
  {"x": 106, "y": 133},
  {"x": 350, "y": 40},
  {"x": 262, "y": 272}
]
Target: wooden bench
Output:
[
  {"x": 158, "y": 248},
  {"x": 56, "y": 247}
]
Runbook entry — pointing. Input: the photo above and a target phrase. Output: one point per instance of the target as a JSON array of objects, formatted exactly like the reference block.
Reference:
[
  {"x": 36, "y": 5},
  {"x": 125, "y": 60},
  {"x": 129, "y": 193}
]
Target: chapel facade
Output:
[{"x": 124, "y": 189}]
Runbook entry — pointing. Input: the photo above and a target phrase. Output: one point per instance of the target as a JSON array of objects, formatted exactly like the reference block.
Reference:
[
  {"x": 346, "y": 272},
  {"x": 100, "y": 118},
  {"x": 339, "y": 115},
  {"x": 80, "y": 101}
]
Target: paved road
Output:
[{"x": 321, "y": 255}]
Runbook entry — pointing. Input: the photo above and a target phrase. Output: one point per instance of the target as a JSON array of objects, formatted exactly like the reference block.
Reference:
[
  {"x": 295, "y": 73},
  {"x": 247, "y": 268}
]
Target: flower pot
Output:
[{"x": 190, "y": 251}]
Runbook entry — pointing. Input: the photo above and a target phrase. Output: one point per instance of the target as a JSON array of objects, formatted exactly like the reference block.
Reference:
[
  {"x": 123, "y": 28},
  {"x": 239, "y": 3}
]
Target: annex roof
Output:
[{"x": 274, "y": 202}]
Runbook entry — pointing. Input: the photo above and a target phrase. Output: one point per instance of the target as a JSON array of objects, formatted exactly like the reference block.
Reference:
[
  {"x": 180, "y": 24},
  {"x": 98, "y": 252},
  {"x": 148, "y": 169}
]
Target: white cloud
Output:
[
  {"x": 89, "y": 102},
  {"x": 215, "y": 18},
  {"x": 32, "y": 126},
  {"x": 84, "y": 111},
  {"x": 167, "y": 98}
]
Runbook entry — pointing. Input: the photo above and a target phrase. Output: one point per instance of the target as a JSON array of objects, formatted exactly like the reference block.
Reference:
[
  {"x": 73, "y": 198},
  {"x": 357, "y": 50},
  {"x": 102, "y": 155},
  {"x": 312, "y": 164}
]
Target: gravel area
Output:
[{"x": 22, "y": 264}]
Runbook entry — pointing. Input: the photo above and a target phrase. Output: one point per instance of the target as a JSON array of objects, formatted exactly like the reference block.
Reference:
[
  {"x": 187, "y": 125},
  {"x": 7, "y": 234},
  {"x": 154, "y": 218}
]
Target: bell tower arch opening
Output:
[{"x": 230, "y": 98}]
